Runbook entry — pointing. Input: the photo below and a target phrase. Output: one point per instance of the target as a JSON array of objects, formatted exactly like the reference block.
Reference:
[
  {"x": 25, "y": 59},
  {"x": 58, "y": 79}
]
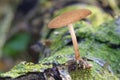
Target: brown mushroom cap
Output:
[{"x": 68, "y": 17}]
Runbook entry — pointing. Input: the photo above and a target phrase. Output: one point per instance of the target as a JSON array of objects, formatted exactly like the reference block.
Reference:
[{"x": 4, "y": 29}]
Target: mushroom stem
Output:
[{"x": 74, "y": 40}]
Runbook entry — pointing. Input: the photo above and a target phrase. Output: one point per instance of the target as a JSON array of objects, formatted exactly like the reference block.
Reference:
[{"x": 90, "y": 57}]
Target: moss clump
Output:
[
  {"x": 107, "y": 32},
  {"x": 23, "y": 68},
  {"x": 88, "y": 74},
  {"x": 81, "y": 74}
]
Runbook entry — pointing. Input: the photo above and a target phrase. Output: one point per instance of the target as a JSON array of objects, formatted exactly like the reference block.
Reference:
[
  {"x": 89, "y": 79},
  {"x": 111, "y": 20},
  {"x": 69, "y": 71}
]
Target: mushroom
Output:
[{"x": 68, "y": 18}]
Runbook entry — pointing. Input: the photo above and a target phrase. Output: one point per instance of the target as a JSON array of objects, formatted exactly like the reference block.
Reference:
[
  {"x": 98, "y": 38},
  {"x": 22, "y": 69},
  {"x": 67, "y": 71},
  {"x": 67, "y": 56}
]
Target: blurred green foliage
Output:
[{"x": 16, "y": 44}]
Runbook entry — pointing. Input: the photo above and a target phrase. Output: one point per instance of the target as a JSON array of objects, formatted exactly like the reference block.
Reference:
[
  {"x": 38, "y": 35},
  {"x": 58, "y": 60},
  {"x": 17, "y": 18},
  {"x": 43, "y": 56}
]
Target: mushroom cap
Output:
[{"x": 68, "y": 17}]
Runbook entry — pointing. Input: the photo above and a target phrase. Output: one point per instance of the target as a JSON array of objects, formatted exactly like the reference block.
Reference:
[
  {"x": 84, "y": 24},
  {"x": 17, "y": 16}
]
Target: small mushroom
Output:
[{"x": 68, "y": 18}]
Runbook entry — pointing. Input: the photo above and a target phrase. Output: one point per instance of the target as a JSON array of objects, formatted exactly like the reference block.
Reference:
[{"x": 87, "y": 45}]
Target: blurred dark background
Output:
[{"x": 23, "y": 26}]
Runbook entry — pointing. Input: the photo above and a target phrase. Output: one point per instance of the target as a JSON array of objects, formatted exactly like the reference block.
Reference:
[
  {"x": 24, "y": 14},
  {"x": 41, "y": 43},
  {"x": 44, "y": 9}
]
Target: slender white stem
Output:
[{"x": 74, "y": 40}]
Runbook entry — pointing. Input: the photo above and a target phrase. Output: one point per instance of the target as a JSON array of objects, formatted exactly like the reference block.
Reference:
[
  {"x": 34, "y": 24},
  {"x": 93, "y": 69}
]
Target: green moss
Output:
[
  {"x": 107, "y": 32},
  {"x": 81, "y": 74},
  {"x": 91, "y": 75},
  {"x": 61, "y": 56},
  {"x": 95, "y": 49},
  {"x": 23, "y": 68}
]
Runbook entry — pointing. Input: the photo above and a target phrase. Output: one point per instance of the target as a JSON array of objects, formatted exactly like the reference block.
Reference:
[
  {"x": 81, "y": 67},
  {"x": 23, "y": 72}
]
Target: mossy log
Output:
[{"x": 96, "y": 45}]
